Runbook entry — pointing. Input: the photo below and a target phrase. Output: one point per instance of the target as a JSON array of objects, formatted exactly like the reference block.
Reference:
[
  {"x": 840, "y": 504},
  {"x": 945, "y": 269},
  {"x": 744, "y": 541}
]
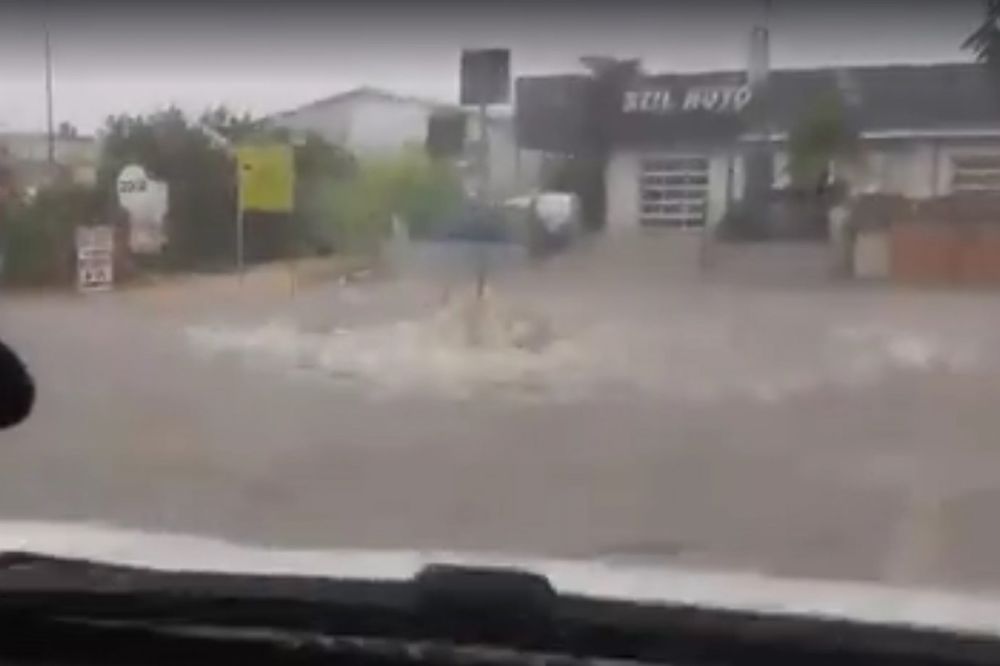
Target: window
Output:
[
  {"x": 673, "y": 191},
  {"x": 975, "y": 173}
]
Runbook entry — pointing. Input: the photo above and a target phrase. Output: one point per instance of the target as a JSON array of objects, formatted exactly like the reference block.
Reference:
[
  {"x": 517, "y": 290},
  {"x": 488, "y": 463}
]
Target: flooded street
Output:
[{"x": 799, "y": 427}]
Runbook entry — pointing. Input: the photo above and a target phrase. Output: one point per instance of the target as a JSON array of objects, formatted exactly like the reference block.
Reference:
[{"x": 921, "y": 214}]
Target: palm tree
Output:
[
  {"x": 823, "y": 138},
  {"x": 985, "y": 41}
]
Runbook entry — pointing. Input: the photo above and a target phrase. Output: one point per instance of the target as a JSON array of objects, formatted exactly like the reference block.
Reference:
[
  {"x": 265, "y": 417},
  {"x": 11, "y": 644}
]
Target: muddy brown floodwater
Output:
[{"x": 744, "y": 419}]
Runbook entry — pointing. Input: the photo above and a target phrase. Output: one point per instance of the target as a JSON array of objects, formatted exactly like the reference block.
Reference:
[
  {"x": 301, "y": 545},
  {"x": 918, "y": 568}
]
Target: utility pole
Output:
[
  {"x": 760, "y": 153},
  {"x": 484, "y": 80},
  {"x": 483, "y": 159},
  {"x": 48, "y": 94}
]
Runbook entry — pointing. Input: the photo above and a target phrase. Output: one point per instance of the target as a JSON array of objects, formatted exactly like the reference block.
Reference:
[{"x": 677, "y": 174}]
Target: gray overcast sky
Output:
[{"x": 265, "y": 56}]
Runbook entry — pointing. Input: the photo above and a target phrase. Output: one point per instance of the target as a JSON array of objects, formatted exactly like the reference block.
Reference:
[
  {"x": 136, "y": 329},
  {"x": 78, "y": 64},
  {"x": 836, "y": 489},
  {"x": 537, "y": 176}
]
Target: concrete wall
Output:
[
  {"x": 781, "y": 177},
  {"x": 719, "y": 186},
  {"x": 513, "y": 171},
  {"x": 621, "y": 180},
  {"x": 739, "y": 177},
  {"x": 917, "y": 169},
  {"x": 899, "y": 168},
  {"x": 890, "y": 167}
]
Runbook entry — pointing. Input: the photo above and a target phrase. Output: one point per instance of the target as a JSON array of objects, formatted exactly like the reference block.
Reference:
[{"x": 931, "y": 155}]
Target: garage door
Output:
[{"x": 673, "y": 190}]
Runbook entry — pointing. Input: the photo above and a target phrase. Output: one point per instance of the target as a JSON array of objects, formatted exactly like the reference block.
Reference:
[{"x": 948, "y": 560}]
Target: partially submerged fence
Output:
[{"x": 945, "y": 240}]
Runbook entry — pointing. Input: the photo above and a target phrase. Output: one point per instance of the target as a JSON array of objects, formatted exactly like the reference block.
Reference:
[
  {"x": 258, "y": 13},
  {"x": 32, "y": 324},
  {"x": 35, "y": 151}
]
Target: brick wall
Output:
[{"x": 944, "y": 240}]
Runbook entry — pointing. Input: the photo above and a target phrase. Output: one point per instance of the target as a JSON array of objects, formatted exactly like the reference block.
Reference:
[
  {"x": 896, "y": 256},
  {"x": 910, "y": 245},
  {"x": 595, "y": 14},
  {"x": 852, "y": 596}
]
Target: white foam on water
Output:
[
  {"x": 420, "y": 355},
  {"x": 692, "y": 360},
  {"x": 907, "y": 349}
]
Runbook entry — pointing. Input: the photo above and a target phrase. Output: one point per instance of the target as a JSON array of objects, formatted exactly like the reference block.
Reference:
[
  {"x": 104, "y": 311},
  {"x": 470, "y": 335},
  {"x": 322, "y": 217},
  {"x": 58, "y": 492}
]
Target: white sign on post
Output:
[
  {"x": 146, "y": 201},
  {"x": 95, "y": 252}
]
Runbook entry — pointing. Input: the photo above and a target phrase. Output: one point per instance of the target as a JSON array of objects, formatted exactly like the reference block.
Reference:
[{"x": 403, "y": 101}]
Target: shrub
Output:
[
  {"x": 823, "y": 136},
  {"x": 38, "y": 236},
  {"x": 201, "y": 223},
  {"x": 318, "y": 165},
  {"x": 201, "y": 178},
  {"x": 359, "y": 210}
]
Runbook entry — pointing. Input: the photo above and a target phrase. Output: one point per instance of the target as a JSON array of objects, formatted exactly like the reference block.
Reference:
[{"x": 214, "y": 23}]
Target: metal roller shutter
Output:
[{"x": 673, "y": 191}]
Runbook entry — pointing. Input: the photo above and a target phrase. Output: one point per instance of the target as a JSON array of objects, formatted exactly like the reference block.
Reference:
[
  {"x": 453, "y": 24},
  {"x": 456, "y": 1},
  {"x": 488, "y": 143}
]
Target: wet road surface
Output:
[{"x": 796, "y": 427}]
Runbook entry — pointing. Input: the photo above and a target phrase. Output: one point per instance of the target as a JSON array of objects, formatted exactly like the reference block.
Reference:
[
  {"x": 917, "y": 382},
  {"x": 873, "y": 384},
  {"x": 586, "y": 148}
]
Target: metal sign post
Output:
[
  {"x": 484, "y": 183},
  {"x": 50, "y": 133},
  {"x": 265, "y": 183},
  {"x": 239, "y": 219},
  {"x": 484, "y": 80}
]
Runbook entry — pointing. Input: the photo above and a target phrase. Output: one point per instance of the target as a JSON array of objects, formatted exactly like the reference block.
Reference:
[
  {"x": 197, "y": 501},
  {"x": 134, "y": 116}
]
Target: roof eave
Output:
[{"x": 901, "y": 133}]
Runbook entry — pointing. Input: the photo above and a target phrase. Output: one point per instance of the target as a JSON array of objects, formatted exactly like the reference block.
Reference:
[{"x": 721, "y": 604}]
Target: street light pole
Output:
[
  {"x": 484, "y": 184},
  {"x": 48, "y": 94},
  {"x": 759, "y": 156}
]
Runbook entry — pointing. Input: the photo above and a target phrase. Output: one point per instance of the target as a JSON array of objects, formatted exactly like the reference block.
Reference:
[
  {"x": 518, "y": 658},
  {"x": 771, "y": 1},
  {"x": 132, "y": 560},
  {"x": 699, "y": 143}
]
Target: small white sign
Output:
[
  {"x": 95, "y": 252},
  {"x": 95, "y": 240}
]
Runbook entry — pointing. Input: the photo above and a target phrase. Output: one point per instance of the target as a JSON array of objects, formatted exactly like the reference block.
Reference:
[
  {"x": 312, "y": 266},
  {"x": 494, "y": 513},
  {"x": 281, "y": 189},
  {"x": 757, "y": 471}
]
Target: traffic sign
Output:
[
  {"x": 146, "y": 200},
  {"x": 266, "y": 178}
]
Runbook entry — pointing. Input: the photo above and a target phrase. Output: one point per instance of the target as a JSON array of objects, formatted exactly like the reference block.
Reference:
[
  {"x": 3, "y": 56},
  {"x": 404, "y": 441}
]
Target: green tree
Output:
[
  {"x": 233, "y": 126},
  {"x": 821, "y": 138},
  {"x": 420, "y": 190},
  {"x": 200, "y": 175},
  {"x": 38, "y": 236},
  {"x": 67, "y": 130},
  {"x": 318, "y": 165},
  {"x": 985, "y": 41}
]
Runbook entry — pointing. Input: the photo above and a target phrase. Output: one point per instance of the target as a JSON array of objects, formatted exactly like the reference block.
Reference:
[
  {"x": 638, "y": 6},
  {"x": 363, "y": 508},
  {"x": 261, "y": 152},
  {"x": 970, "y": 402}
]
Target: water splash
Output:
[
  {"x": 474, "y": 345},
  {"x": 470, "y": 345}
]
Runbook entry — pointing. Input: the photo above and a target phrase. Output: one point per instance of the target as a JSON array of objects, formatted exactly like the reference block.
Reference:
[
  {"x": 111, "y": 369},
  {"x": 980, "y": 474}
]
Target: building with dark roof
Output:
[{"x": 679, "y": 143}]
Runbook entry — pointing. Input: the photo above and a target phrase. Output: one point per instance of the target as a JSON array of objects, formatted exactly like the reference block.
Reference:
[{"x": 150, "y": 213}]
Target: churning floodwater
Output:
[{"x": 501, "y": 346}]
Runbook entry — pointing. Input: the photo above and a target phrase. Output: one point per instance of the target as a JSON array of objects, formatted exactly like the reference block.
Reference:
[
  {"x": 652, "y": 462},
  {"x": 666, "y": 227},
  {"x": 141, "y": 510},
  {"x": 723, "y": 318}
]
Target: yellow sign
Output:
[{"x": 267, "y": 178}]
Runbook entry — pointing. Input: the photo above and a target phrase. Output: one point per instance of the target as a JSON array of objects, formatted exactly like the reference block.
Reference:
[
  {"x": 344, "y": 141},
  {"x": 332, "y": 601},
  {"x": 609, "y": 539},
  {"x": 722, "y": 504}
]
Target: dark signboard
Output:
[
  {"x": 554, "y": 113},
  {"x": 575, "y": 112},
  {"x": 666, "y": 109},
  {"x": 446, "y": 134},
  {"x": 485, "y": 76},
  {"x": 717, "y": 99}
]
